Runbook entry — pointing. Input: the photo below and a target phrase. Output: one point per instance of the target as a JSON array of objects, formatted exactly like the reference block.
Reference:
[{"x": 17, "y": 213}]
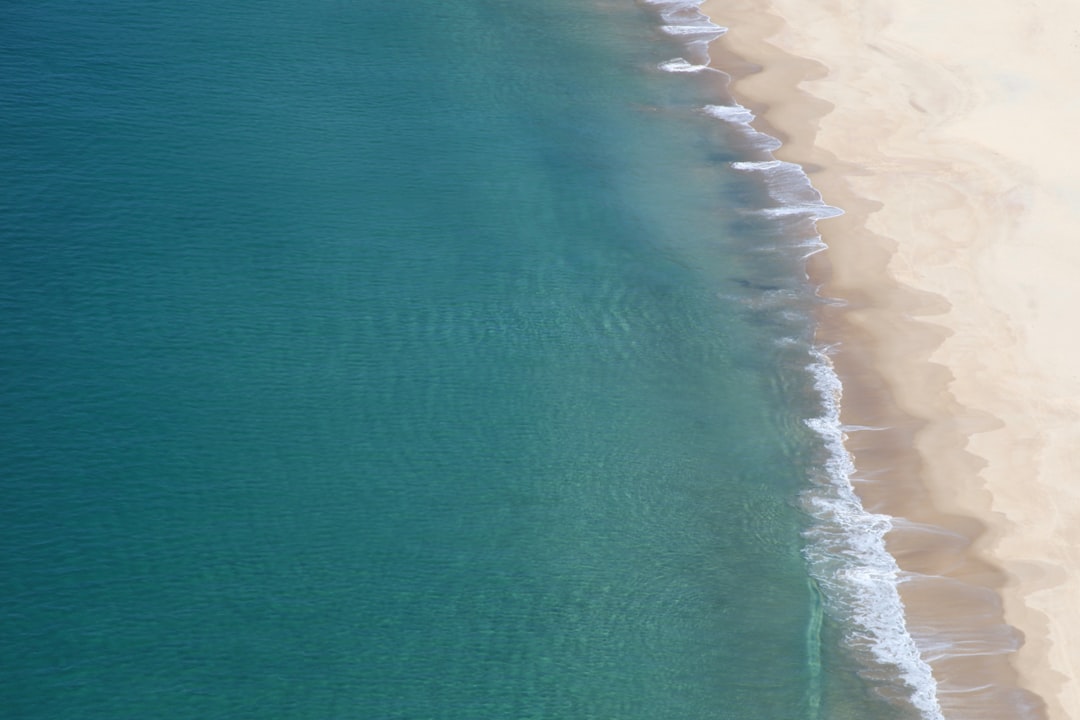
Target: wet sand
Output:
[{"x": 948, "y": 135}]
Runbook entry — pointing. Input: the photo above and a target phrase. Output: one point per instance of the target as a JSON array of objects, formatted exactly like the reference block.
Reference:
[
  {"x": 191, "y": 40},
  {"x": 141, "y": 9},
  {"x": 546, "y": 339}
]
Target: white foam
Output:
[
  {"x": 815, "y": 245},
  {"x": 685, "y": 11},
  {"x": 742, "y": 118},
  {"x": 848, "y": 557},
  {"x": 758, "y": 165},
  {"x": 714, "y": 31},
  {"x": 673, "y": 6},
  {"x": 681, "y": 65},
  {"x": 731, "y": 113},
  {"x": 846, "y": 547},
  {"x": 789, "y": 185},
  {"x": 684, "y": 19},
  {"x": 816, "y": 210},
  {"x": 861, "y": 428},
  {"x": 787, "y": 182}
]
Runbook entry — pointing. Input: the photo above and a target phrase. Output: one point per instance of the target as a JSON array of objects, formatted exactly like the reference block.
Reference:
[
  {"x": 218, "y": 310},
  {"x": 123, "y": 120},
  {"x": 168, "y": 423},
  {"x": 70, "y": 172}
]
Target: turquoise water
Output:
[{"x": 395, "y": 360}]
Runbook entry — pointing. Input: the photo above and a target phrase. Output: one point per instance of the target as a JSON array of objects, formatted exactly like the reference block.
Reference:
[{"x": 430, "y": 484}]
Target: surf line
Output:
[{"x": 845, "y": 546}]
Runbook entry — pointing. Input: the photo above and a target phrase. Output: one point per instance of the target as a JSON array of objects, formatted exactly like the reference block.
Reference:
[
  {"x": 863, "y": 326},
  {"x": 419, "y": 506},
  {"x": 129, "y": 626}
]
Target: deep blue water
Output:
[{"x": 394, "y": 360}]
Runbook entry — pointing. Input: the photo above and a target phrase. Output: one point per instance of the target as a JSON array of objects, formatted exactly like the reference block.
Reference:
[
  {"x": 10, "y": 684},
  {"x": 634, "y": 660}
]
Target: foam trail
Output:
[
  {"x": 845, "y": 549},
  {"x": 684, "y": 19},
  {"x": 789, "y": 185},
  {"x": 847, "y": 554},
  {"x": 692, "y": 30},
  {"x": 861, "y": 428},
  {"x": 787, "y": 182},
  {"x": 683, "y": 65},
  {"x": 742, "y": 118}
]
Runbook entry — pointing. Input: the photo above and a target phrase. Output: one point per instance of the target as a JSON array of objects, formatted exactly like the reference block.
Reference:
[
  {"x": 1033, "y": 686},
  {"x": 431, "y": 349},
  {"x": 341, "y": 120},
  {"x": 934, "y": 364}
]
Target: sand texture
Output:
[{"x": 950, "y": 135}]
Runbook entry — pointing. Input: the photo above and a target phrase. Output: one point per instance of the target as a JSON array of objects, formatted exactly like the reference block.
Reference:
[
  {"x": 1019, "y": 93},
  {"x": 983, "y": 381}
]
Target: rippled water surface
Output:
[{"x": 395, "y": 360}]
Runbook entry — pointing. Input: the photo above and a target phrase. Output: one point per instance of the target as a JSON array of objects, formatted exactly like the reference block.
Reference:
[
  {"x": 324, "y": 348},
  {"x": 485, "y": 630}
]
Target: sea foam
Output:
[
  {"x": 684, "y": 19},
  {"x": 847, "y": 553},
  {"x": 789, "y": 185},
  {"x": 845, "y": 547},
  {"x": 741, "y": 118},
  {"x": 678, "y": 65}
]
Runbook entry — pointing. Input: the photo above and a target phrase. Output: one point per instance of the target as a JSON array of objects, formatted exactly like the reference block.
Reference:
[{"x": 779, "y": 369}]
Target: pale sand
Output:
[{"x": 950, "y": 134}]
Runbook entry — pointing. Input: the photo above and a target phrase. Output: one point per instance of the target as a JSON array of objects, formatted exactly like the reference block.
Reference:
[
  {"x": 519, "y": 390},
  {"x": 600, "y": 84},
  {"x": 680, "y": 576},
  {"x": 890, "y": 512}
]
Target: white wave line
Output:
[
  {"x": 850, "y": 557},
  {"x": 847, "y": 552}
]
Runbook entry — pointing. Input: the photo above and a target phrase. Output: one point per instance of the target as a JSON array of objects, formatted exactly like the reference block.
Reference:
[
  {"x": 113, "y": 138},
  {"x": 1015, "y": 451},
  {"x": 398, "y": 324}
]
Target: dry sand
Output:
[{"x": 950, "y": 135}]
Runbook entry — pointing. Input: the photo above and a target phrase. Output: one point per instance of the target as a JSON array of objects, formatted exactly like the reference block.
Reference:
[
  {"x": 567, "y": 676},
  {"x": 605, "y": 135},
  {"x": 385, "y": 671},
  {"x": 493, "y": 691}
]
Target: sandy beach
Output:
[{"x": 947, "y": 134}]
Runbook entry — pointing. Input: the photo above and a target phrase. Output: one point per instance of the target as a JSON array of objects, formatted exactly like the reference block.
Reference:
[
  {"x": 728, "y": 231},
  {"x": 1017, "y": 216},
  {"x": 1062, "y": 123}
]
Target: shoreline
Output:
[{"x": 952, "y": 257}]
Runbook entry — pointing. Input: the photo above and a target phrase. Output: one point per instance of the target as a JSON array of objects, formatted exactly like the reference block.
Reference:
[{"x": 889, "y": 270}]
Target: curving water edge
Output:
[{"x": 845, "y": 546}]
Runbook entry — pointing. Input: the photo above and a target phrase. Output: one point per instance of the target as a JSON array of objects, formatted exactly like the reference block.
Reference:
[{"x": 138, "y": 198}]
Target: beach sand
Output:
[{"x": 950, "y": 136}]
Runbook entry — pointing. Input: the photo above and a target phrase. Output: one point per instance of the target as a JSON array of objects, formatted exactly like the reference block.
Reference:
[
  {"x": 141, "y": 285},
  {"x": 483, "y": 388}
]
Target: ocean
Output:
[{"x": 412, "y": 361}]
